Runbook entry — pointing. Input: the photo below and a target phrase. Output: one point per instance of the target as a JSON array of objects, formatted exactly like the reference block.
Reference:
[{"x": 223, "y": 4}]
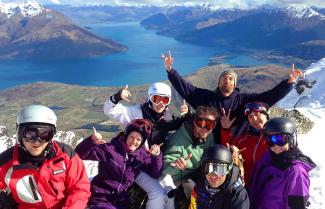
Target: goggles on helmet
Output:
[
  {"x": 142, "y": 125},
  {"x": 255, "y": 107},
  {"x": 156, "y": 99},
  {"x": 205, "y": 123},
  {"x": 219, "y": 169},
  {"x": 277, "y": 139},
  {"x": 35, "y": 133}
]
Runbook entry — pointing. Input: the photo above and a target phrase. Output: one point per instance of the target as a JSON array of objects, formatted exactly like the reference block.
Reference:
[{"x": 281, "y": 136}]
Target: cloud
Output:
[
  {"x": 216, "y": 3},
  {"x": 56, "y": 1}
]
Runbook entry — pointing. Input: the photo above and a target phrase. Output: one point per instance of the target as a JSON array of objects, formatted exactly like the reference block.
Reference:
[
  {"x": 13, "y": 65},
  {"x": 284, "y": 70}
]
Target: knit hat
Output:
[{"x": 231, "y": 72}]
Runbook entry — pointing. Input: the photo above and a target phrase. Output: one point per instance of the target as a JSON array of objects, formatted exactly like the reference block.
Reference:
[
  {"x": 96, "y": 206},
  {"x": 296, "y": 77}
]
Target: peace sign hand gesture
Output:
[
  {"x": 97, "y": 137},
  {"x": 181, "y": 163},
  {"x": 294, "y": 75},
  {"x": 125, "y": 94},
  {"x": 168, "y": 61},
  {"x": 225, "y": 119}
]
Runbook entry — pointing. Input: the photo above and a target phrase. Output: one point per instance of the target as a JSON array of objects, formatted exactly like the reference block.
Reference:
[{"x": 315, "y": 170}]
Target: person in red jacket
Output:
[
  {"x": 252, "y": 143},
  {"x": 38, "y": 172}
]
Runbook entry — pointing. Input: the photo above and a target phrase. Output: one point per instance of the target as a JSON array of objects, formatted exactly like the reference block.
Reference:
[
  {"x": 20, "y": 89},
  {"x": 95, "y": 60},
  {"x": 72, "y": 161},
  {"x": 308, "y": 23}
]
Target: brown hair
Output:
[{"x": 208, "y": 110}]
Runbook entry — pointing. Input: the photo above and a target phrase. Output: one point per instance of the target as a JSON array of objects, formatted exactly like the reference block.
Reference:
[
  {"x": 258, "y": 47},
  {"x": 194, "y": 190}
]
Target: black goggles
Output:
[
  {"x": 35, "y": 132},
  {"x": 219, "y": 169},
  {"x": 277, "y": 139},
  {"x": 254, "y": 107}
]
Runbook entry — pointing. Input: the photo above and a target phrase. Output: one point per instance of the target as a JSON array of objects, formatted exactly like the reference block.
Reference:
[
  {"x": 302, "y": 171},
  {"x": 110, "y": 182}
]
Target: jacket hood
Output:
[{"x": 292, "y": 156}]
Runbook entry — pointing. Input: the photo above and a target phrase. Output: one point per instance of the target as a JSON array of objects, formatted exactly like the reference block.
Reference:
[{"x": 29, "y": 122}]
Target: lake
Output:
[{"x": 141, "y": 64}]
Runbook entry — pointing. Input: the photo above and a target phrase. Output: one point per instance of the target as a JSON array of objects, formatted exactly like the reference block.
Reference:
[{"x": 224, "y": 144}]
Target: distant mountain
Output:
[
  {"x": 103, "y": 13},
  {"x": 29, "y": 30},
  {"x": 287, "y": 31}
]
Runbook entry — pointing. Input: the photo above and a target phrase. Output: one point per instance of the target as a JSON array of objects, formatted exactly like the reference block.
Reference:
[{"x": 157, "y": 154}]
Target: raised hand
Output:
[
  {"x": 225, "y": 119},
  {"x": 294, "y": 74},
  {"x": 97, "y": 137},
  {"x": 125, "y": 94},
  {"x": 168, "y": 61},
  {"x": 155, "y": 149},
  {"x": 184, "y": 108},
  {"x": 181, "y": 163}
]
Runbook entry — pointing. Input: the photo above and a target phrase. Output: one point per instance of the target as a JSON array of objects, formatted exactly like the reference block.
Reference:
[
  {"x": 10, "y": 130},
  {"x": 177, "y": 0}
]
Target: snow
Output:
[
  {"x": 312, "y": 143},
  {"x": 27, "y": 8},
  {"x": 302, "y": 12}
]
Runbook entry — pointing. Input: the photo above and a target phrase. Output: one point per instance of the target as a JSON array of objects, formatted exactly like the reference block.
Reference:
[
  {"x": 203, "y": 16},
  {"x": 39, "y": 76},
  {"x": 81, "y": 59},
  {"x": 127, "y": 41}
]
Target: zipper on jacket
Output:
[
  {"x": 124, "y": 166},
  {"x": 33, "y": 188},
  {"x": 255, "y": 148}
]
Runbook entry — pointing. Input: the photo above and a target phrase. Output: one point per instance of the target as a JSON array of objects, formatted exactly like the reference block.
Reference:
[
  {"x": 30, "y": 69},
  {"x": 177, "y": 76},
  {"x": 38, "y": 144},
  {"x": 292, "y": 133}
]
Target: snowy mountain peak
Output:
[
  {"x": 27, "y": 8},
  {"x": 302, "y": 12}
]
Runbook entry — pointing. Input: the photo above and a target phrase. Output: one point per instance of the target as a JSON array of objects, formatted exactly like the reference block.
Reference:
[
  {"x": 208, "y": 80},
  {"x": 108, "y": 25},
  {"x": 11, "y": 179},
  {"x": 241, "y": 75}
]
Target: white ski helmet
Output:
[
  {"x": 36, "y": 114},
  {"x": 159, "y": 88}
]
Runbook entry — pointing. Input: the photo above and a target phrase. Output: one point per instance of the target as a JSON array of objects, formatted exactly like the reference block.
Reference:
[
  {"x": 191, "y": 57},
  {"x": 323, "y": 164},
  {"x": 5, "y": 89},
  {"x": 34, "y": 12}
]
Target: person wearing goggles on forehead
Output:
[
  {"x": 220, "y": 185},
  {"x": 251, "y": 143},
  {"x": 280, "y": 179},
  {"x": 120, "y": 161},
  {"x": 39, "y": 172},
  {"x": 227, "y": 95},
  {"x": 155, "y": 110},
  {"x": 183, "y": 152}
]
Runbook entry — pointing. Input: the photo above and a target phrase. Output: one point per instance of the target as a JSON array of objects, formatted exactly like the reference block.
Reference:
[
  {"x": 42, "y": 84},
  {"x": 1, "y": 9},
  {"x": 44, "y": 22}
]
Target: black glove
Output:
[{"x": 7, "y": 202}]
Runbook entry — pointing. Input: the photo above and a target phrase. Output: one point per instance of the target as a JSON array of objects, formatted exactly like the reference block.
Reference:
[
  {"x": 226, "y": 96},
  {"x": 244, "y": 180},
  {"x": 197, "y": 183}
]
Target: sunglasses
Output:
[
  {"x": 143, "y": 125},
  {"x": 219, "y": 169},
  {"x": 277, "y": 139},
  {"x": 205, "y": 123},
  {"x": 156, "y": 99},
  {"x": 36, "y": 133},
  {"x": 255, "y": 107}
]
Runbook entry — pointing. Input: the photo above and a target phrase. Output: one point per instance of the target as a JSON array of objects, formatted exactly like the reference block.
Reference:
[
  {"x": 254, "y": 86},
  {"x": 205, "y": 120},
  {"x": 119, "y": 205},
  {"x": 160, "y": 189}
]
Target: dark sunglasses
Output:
[
  {"x": 219, "y": 169},
  {"x": 32, "y": 134},
  {"x": 277, "y": 139},
  {"x": 255, "y": 107},
  {"x": 156, "y": 99},
  {"x": 205, "y": 123}
]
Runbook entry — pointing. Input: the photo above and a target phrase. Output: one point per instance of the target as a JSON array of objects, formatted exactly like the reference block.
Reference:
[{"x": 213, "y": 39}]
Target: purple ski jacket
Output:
[
  {"x": 280, "y": 187},
  {"x": 116, "y": 168}
]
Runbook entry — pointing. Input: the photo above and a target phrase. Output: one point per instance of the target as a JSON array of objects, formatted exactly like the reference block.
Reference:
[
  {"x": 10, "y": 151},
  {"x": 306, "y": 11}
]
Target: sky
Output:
[{"x": 242, "y": 4}]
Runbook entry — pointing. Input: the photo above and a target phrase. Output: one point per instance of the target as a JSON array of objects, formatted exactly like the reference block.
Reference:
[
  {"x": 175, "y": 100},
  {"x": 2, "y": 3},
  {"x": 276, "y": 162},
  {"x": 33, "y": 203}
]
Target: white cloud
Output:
[{"x": 216, "y": 3}]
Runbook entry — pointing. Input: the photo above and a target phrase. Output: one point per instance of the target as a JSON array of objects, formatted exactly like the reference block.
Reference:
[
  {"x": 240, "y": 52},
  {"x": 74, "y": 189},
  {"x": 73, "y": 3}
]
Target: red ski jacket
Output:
[{"x": 61, "y": 182}]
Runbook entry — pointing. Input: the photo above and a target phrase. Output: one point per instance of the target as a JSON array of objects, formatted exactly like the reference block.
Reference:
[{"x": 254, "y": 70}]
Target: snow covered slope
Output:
[{"x": 28, "y": 8}]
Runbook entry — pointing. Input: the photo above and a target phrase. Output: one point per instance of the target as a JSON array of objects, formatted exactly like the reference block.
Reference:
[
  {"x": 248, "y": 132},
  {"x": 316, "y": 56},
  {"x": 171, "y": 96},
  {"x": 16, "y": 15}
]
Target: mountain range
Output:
[
  {"x": 293, "y": 31},
  {"x": 29, "y": 30}
]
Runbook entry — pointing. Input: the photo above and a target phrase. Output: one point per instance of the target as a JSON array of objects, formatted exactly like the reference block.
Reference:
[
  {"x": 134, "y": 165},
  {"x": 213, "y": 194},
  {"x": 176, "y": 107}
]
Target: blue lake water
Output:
[{"x": 141, "y": 64}]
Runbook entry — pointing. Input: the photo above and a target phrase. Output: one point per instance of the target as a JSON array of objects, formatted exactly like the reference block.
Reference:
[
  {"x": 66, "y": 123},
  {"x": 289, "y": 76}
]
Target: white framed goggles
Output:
[
  {"x": 219, "y": 169},
  {"x": 156, "y": 99}
]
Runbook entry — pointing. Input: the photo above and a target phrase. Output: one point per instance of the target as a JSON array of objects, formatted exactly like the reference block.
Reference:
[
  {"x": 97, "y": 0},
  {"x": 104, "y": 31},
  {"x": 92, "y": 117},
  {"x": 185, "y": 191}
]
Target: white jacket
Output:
[{"x": 121, "y": 113}]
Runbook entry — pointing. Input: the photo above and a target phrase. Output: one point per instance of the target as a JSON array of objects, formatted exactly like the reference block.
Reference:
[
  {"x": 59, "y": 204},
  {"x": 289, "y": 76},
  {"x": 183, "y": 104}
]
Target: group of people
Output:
[{"x": 228, "y": 154}]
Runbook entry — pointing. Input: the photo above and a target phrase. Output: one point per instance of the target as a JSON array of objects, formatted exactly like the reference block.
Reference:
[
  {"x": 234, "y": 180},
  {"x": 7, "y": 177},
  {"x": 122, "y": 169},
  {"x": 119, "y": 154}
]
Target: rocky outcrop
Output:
[{"x": 304, "y": 124}]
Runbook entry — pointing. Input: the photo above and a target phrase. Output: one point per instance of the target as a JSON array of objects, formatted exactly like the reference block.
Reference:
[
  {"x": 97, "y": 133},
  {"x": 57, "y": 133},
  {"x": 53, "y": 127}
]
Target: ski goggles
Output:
[
  {"x": 255, "y": 107},
  {"x": 35, "y": 133},
  {"x": 156, "y": 99},
  {"x": 205, "y": 123},
  {"x": 219, "y": 169},
  {"x": 277, "y": 139},
  {"x": 142, "y": 125}
]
